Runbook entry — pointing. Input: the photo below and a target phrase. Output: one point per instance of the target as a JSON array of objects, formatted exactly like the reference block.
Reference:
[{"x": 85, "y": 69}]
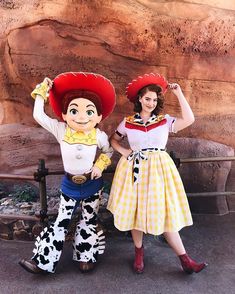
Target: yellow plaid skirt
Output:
[{"x": 155, "y": 205}]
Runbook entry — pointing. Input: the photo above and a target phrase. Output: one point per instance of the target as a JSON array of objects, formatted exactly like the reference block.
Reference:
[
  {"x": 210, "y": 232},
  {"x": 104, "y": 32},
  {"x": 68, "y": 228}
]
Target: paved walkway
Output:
[{"x": 212, "y": 238}]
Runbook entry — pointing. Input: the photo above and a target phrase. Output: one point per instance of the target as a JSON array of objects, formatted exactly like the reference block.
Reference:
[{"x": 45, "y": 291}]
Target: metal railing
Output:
[{"x": 42, "y": 172}]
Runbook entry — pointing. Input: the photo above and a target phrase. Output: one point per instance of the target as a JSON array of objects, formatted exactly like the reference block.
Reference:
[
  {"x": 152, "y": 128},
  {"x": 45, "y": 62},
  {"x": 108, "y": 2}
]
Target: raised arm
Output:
[
  {"x": 40, "y": 96},
  {"x": 187, "y": 116}
]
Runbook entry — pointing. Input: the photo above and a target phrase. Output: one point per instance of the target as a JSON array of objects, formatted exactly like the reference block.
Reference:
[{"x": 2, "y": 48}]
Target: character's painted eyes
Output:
[
  {"x": 90, "y": 112},
  {"x": 73, "y": 111}
]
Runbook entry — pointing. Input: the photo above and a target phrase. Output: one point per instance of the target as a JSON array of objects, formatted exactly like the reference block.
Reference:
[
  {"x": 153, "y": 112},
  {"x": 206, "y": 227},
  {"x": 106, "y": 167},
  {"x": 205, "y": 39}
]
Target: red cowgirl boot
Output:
[
  {"x": 190, "y": 266},
  {"x": 139, "y": 260}
]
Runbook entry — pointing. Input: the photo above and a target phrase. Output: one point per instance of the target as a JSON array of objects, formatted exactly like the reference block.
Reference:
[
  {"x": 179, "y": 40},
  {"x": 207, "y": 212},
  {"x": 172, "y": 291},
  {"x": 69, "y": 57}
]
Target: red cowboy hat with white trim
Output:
[
  {"x": 137, "y": 84},
  {"x": 86, "y": 81}
]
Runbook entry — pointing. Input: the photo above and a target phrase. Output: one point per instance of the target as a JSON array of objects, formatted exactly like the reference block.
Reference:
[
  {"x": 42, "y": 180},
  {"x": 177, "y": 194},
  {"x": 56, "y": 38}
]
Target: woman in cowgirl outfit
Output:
[
  {"x": 147, "y": 194},
  {"x": 81, "y": 100}
]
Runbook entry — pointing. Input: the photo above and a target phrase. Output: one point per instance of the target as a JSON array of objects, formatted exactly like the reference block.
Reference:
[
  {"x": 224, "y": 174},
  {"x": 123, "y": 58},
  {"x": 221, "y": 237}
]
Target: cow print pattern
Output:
[
  {"x": 87, "y": 242},
  {"x": 136, "y": 156},
  {"x": 86, "y": 245}
]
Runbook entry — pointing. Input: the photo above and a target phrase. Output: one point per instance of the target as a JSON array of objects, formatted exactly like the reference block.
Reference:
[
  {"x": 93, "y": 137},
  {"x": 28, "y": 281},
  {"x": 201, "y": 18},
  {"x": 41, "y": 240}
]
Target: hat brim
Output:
[
  {"x": 72, "y": 81},
  {"x": 137, "y": 84}
]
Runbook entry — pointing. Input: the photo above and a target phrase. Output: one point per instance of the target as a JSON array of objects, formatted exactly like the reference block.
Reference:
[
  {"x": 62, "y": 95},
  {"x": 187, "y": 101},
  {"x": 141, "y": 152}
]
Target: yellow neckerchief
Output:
[
  {"x": 137, "y": 120},
  {"x": 72, "y": 137}
]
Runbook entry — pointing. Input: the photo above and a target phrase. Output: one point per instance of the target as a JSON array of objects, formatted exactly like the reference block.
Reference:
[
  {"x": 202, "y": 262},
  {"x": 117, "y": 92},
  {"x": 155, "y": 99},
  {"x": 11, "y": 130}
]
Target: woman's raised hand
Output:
[{"x": 175, "y": 88}]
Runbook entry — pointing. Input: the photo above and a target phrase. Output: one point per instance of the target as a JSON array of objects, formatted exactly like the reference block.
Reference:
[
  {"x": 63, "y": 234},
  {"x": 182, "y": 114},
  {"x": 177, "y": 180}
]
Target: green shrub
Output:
[{"x": 24, "y": 193}]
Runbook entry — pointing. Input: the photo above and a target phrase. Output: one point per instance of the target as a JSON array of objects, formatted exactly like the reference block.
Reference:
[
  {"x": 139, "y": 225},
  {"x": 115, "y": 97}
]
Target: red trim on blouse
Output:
[{"x": 143, "y": 128}]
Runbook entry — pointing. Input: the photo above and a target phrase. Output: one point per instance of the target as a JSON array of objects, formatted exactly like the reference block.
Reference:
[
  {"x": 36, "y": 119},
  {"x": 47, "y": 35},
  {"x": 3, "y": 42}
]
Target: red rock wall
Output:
[{"x": 190, "y": 42}]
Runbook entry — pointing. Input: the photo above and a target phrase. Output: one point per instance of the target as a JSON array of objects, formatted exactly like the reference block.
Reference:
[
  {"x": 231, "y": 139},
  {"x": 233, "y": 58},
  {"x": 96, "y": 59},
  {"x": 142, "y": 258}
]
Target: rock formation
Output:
[{"x": 190, "y": 42}]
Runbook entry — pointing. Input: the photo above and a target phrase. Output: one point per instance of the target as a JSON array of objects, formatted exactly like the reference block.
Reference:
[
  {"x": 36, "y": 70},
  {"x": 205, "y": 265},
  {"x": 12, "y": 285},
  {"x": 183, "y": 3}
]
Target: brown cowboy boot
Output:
[
  {"x": 139, "y": 260},
  {"x": 86, "y": 267},
  {"x": 31, "y": 267},
  {"x": 189, "y": 265}
]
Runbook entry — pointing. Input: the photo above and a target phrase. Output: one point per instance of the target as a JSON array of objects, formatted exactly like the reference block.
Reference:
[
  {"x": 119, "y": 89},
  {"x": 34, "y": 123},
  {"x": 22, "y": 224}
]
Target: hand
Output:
[
  {"x": 49, "y": 83},
  {"x": 175, "y": 88},
  {"x": 127, "y": 152},
  {"x": 42, "y": 89},
  {"x": 96, "y": 173}
]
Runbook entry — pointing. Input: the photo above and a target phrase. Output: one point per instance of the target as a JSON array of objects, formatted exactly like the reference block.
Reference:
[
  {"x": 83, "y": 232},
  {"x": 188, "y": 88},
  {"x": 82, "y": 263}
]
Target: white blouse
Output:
[{"x": 152, "y": 134}]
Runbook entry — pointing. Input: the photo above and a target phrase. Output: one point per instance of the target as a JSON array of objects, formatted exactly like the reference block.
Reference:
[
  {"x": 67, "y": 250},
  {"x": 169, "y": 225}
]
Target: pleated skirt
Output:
[{"x": 157, "y": 203}]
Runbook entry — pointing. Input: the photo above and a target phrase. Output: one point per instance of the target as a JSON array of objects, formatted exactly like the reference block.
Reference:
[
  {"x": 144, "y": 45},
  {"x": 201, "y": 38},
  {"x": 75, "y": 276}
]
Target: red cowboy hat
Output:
[
  {"x": 72, "y": 81},
  {"x": 135, "y": 85}
]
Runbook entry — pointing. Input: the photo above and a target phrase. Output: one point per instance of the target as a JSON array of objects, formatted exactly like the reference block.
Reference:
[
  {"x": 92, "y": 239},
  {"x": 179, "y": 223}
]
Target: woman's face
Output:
[
  {"x": 148, "y": 101},
  {"x": 81, "y": 115}
]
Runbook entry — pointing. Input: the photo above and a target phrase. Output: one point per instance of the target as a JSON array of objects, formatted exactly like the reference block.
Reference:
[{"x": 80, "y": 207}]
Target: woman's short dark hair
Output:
[{"x": 160, "y": 98}]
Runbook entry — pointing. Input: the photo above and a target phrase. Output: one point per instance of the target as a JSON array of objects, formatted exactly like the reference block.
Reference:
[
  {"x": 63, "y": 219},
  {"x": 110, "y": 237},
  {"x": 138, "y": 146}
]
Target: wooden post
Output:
[{"x": 40, "y": 176}]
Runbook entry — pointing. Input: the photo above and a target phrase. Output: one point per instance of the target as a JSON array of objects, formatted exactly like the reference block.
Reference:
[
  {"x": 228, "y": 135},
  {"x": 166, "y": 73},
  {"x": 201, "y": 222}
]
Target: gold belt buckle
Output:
[{"x": 79, "y": 179}]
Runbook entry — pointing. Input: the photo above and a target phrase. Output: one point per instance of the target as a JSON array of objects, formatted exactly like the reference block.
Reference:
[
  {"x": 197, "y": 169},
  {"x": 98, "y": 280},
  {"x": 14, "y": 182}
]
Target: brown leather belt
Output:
[{"x": 78, "y": 179}]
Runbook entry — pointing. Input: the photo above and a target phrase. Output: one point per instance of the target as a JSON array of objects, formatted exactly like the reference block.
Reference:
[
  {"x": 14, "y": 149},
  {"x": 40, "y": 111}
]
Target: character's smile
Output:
[{"x": 81, "y": 123}]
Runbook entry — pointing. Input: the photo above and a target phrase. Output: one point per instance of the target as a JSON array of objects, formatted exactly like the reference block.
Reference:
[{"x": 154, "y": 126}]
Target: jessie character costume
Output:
[
  {"x": 82, "y": 100},
  {"x": 147, "y": 193}
]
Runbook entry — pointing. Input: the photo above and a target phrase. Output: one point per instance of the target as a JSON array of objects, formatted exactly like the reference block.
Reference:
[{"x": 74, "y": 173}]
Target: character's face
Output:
[
  {"x": 82, "y": 115},
  {"x": 148, "y": 101}
]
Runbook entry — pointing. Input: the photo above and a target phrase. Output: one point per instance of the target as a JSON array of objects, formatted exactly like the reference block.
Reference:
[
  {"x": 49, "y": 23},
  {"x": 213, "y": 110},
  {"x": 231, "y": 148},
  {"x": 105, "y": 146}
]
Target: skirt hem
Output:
[{"x": 146, "y": 231}]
